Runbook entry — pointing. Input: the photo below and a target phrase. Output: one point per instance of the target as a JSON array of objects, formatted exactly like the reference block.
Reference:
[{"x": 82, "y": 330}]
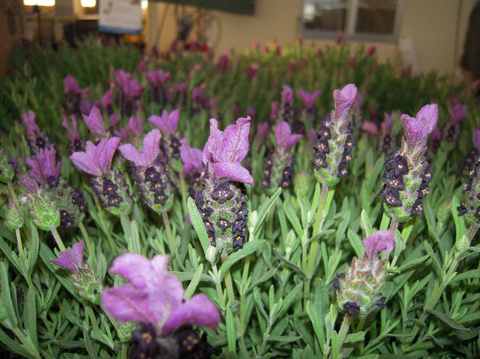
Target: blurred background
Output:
[{"x": 424, "y": 35}]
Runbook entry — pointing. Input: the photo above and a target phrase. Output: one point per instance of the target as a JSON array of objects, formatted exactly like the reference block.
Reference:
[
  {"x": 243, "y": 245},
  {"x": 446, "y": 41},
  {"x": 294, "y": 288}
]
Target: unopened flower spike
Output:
[
  {"x": 37, "y": 140},
  {"x": 7, "y": 171},
  {"x": 222, "y": 200},
  {"x": 359, "y": 290},
  {"x": 150, "y": 173},
  {"x": 153, "y": 298},
  {"x": 76, "y": 101},
  {"x": 470, "y": 206},
  {"x": 278, "y": 170},
  {"x": 83, "y": 278},
  {"x": 108, "y": 184},
  {"x": 334, "y": 143},
  {"x": 70, "y": 124},
  {"x": 45, "y": 171},
  {"x": 407, "y": 172},
  {"x": 168, "y": 123}
]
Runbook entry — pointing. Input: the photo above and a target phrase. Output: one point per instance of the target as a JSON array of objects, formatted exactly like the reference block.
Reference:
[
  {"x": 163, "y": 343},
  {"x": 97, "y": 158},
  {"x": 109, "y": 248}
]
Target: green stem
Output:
[
  {"x": 229, "y": 286},
  {"x": 87, "y": 239},
  {"x": 472, "y": 231},
  {"x": 326, "y": 198},
  {"x": 18, "y": 234},
  {"x": 58, "y": 239},
  {"x": 342, "y": 335}
]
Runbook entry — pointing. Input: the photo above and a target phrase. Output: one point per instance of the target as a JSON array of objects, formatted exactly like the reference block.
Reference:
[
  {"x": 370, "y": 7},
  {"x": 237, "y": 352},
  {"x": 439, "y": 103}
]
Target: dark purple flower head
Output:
[
  {"x": 224, "y": 151},
  {"x": 308, "y": 98},
  {"x": 344, "y": 100},
  {"x": 180, "y": 87},
  {"x": 457, "y": 111},
  {"x": 476, "y": 138},
  {"x": 167, "y": 122},
  {"x": 191, "y": 158},
  {"x": 157, "y": 78},
  {"x": 71, "y": 86},
  {"x": 418, "y": 128},
  {"x": 128, "y": 85},
  {"x": 94, "y": 122},
  {"x": 97, "y": 159},
  {"x": 71, "y": 259},
  {"x": 275, "y": 109},
  {"x": 380, "y": 241},
  {"x": 152, "y": 295},
  {"x": 252, "y": 71},
  {"x": 149, "y": 153},
  {"x": 262, "y": 131},
  {"x": 287, "y": 95},
  {"x": 134, "y": 128},
  {"x": 199, "y": 96},
  {"x": 44, "y": 168},
  {"x": 436, "y": 135},
  {"x": 284, "y": 138},
  {"x": 31, "y": 127}
]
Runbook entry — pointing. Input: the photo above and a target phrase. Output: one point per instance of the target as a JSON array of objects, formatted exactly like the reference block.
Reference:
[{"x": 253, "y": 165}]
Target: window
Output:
[{"x": 374, "y": 20}]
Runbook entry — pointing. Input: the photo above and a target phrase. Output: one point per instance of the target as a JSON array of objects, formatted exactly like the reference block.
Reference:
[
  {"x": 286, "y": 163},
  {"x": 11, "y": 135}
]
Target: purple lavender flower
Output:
[
  {"x": 370, "y": 127},
  {"x": 220, "y": 197},
  {"x": 37, "y": 140},
  {"x": 262, "y": 132},
  {"x": 407, "y": 172},
  {"x": 107, "y": 101},
  {"x": 150, "y": 173},
  {"x": 457, "y": 111},
  {"x": 154, "y": 296},
  {"x": 191, "y": 158},
  {"x": 308, "y": 98},
  {"x": 130, "y": 92},
  {"x": 44, "y": 168},
  {"x": 71, "y": 86},
  {"x": 279, "y": 163},
  {"x": 344, "y": 100},
  {"x": 71, "y": 259},
  {"x": 359, "y": 290},
  {"x": 386, "y": 132},
  {"x": 224, "y": 151},
  {"x": 380, "y": 241},
  {"x": 334, "y": 144},
  {"x": 419, "y": 127},
  {"x": 94, "y": 122},
  {"x": 274, "y": 110},
  {"x": 168, "y": 123},
  {"x": 252, "y": 71},
  {"x": 200, "y": 99},
  {"x": 109, "y": 185},
  {"x": 223, "y": 63},
  {"x": 157, "y": 79}
]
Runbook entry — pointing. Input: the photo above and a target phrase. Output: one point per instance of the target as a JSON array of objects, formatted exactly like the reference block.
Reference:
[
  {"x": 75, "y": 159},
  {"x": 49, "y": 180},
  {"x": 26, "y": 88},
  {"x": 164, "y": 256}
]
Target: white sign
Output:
[{"x": 120, "y": 16}]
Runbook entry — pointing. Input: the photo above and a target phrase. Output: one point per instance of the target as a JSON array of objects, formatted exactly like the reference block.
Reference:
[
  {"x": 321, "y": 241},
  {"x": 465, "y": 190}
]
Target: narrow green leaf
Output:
[{"x": 198, "y": 224}]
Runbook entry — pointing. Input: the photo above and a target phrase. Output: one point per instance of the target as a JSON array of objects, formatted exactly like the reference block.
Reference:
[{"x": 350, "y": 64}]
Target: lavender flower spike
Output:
[
  {"x": 109, "y": 185},
  {"x": 151, "y": 175},
  {"x": 279, "y": 164},
  {"x": 154, "y": 296},
  {"x": 37, "y": 140},
  {"x": 407, "y": 172},
  {"x": 70, "y": 85},
  {"x": 359, "y": 290},
  {"x": 419, "y": 127},
  {"x": 71, "y": 259},
  {"x": 44, "y": 168},
  {"x": 167, "y": 122},
  {"x": 344, "y": 100}
]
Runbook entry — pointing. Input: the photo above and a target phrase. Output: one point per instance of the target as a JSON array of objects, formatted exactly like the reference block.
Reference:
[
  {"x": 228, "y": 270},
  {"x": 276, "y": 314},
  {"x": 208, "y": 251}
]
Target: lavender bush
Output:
[{"x": 275, "y": 204}]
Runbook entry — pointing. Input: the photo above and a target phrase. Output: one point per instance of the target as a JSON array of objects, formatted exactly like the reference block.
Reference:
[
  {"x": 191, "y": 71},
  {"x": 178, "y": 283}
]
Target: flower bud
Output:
[
  {"x": 7, "y": 172},
  {"x": 44, "y": 211},
  {"x": 112, "y": 191},
  {"x": 14, "y": 217}
]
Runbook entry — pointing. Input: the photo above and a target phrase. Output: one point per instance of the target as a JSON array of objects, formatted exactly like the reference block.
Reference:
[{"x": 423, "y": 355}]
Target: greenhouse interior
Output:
[{"x": 194, "y": 179}]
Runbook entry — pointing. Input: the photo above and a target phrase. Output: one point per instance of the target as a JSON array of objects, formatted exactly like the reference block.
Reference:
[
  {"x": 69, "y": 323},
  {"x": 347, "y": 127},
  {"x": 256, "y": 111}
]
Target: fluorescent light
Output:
[
  {"x": 88, "y": 3},
  {"x": 39, "y": 2},
  {"x": 144, "y": 4}
]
